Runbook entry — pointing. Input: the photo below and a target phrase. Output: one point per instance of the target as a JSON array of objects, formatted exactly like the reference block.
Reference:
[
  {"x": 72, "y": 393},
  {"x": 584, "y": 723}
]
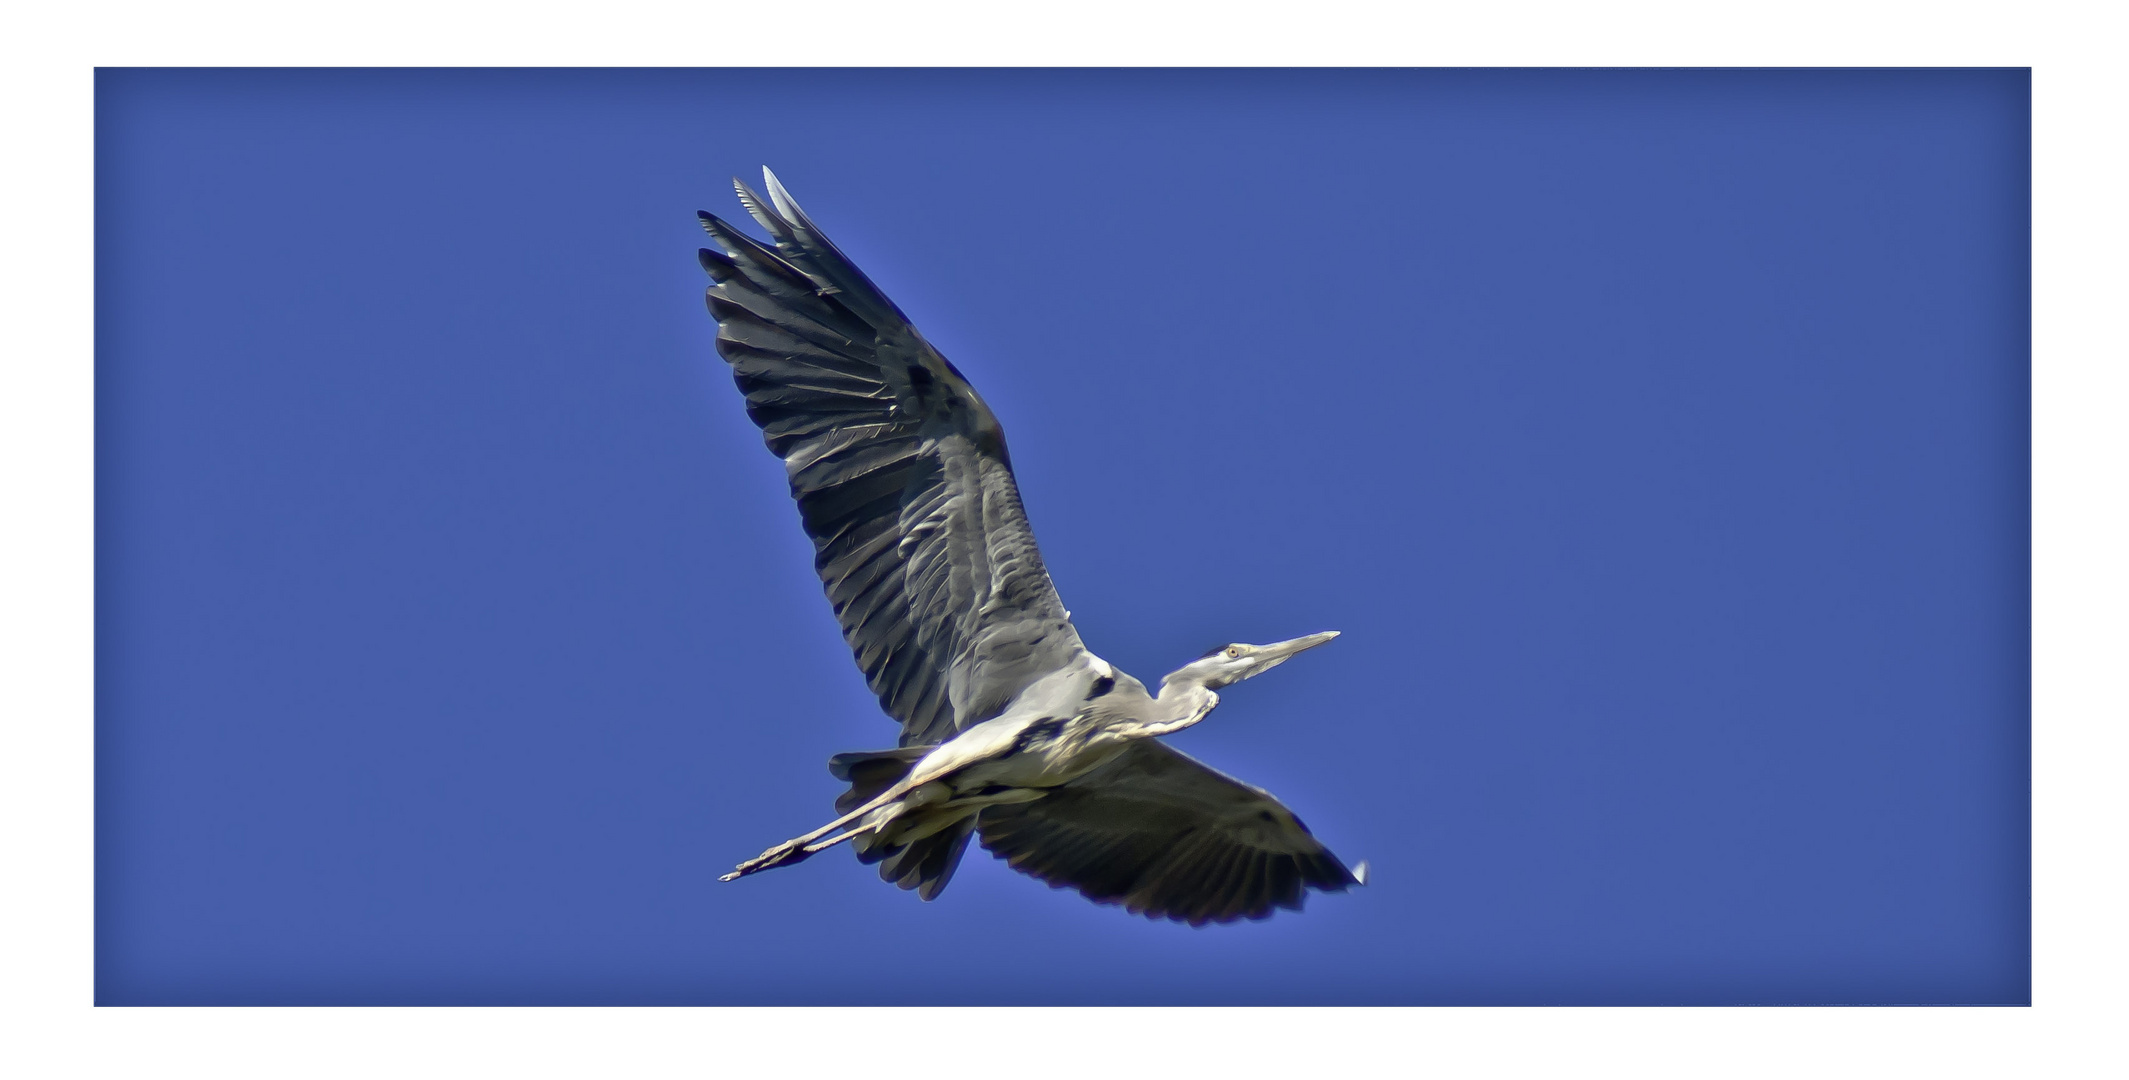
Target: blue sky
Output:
[{"x": 1656, "y": 439}]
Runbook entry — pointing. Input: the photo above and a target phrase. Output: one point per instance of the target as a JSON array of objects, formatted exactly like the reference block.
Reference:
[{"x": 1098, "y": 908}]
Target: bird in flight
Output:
[{"x": 1011, "y": 730}]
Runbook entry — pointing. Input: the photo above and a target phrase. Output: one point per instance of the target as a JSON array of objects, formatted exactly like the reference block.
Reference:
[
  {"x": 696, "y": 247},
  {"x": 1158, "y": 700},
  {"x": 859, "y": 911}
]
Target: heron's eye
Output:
[{"x": 1234, "y": 652}]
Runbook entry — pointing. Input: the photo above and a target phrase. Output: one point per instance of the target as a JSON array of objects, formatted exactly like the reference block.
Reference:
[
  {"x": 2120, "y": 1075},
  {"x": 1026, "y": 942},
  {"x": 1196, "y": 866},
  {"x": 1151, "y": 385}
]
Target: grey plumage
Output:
[
  {"x": 1165, "y": 836},
  {"x": 901, "y": 477},
  {"x": 1011, "y": 729}
]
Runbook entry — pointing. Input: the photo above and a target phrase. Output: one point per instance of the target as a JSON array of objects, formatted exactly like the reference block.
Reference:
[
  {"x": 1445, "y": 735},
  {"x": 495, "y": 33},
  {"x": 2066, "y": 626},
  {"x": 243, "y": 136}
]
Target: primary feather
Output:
[{"x": 901, "y": 477}]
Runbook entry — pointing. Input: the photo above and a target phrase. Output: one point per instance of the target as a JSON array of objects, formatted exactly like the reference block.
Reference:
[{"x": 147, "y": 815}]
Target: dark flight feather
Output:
[
  {"x": 1166, "y": 837},
  {"x": 900, "y": 473}
]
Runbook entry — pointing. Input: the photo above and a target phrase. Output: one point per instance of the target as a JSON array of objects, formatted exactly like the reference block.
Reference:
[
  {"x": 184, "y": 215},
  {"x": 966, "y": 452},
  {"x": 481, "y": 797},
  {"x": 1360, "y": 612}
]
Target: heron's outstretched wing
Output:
[
  {"x": 900, "y": 472},
  {"x": 1167, "y": 837}
]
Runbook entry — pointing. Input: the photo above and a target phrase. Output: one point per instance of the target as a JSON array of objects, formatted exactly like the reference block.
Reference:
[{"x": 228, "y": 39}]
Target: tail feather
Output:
[
  {"x": 870, "y": 772},
  {"x": 925, "y": 864}
]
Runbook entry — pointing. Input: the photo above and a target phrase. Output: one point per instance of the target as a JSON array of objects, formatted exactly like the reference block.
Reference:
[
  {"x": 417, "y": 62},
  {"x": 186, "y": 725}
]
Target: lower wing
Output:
[{"x": 1166, "y": 837}]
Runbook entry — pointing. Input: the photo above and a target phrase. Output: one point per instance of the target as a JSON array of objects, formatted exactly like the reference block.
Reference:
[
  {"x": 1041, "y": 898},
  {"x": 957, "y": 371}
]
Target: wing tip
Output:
[
  {"x": 785, "y": 204},
  {"x": 758, "y": 208}
]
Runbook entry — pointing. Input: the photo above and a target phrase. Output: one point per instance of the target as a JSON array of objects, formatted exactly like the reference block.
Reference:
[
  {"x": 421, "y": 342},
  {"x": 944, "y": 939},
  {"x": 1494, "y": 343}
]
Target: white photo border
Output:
[{"x": 2079, "y": 538}]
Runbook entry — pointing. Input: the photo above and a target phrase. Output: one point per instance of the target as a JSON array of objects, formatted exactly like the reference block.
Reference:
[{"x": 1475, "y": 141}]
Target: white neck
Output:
[{"x": 1184, "y": 700}]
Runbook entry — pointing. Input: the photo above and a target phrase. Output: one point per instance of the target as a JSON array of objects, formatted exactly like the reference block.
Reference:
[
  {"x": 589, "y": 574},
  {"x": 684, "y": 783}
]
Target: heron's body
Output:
[{"x": 1010, "y": 727}]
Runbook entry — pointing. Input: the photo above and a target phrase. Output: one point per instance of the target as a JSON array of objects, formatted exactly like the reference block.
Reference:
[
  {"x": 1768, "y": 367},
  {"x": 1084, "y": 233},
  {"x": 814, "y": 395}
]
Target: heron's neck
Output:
[{"x": 1183, "y": 701}]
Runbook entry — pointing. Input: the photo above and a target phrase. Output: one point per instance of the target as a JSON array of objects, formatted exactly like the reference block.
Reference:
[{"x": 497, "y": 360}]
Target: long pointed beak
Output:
[
  {"x": 1263, "y": 658},
  {"x": 1284, "y": 649},
  {"x": 1271, "y": 656}
]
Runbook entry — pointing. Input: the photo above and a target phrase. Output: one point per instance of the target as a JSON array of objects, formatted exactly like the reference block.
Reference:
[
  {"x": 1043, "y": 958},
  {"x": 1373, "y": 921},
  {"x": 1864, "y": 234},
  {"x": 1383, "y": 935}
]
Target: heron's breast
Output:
[{"x": 1048, "y": 752}]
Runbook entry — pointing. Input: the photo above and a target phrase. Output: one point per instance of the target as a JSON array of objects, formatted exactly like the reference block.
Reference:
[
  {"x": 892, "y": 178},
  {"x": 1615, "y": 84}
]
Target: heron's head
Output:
[{"x": 1230, "y": 664}]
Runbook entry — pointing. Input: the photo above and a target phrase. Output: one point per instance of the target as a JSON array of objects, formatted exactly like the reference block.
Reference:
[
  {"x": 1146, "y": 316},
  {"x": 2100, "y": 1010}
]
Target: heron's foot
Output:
[{"x": 784, "y": 854}]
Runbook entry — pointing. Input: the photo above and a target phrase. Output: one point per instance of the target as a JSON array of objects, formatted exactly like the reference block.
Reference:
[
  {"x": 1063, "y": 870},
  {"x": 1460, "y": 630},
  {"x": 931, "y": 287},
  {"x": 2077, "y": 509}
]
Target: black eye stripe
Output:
[{"x": 1212, "y": 652}]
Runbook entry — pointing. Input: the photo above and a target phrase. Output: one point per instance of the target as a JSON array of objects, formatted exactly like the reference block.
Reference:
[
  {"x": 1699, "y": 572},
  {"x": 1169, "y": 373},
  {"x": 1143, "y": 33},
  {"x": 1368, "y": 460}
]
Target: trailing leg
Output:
[{"x": 797, "y": 848}]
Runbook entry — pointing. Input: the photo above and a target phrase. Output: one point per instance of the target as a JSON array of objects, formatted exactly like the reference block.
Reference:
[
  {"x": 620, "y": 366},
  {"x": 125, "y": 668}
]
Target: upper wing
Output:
[
  {"x": 900, "y": 472},
  {"x": 1167, "y": 837}
]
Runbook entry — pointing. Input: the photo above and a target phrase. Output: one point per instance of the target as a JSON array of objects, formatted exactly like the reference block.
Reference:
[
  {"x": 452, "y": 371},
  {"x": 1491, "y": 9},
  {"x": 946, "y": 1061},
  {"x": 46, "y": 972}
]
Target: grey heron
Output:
[{"x": 1011, "y": 729}]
